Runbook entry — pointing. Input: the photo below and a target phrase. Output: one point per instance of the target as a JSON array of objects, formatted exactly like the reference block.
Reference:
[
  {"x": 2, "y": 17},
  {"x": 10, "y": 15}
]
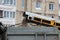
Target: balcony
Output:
[
  {"x": 7, "y": 21},
  {"x": 5, "y": 7}
]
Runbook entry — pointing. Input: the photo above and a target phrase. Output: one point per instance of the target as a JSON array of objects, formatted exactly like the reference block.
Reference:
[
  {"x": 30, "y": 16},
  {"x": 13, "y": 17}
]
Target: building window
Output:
[
  {"x": 13, "y": 14},
  {"x": 22, "y": 3},
  {"x": 59, "y": 6},
  {"x": 9, "y": 2},
  {"x": 0, "y": 1},
  {"x": 38, "y": 5},
  {"x": 1, "y": 14},
  {"x": 59, "y": 17},
  {"x": 5, "y": 1},
  {"x": 4, "y": 14},
  {"x": 51, "y": 6},
  {"x": 14, "y": 2},
  {"x": 9, "y": 14}
]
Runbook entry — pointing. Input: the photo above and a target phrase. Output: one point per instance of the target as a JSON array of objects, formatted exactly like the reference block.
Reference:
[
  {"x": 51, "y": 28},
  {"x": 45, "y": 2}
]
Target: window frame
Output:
[
  {"x": 51, "y": 6},
  {"x": 9, "y": 15},
  {"x": 8, "y": 2},
  {"x": 59, "y": 6},
  {"x": 38, "y": 4}
]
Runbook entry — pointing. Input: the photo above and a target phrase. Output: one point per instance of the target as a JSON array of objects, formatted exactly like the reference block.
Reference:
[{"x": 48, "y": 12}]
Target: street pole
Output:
[
  {"x": 4, "y": 36},
  {"x": 36, "y": 36}
]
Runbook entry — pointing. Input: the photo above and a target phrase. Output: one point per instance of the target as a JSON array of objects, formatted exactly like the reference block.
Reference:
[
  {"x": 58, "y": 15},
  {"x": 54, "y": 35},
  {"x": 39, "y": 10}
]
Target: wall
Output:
[
  {"x": 33, "y": 37},
  {"x": 19, "y": 17},
  {"x": 55, "y": 11},
  {"x": 44, "y": 8},
  {"x": 59, "y": 9},
  {"x": 33, "y": 33}
]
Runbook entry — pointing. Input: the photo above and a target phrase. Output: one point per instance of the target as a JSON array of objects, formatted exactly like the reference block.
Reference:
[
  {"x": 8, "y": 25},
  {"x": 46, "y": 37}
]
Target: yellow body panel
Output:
[{"x": 52, "y": 22}]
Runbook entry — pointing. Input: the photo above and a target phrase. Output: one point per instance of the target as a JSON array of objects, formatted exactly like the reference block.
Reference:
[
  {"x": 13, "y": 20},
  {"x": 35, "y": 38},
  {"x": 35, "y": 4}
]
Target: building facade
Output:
[
  {"x": 11, "y": 11},
  {"x": 7, "y": 11},
  {"x": 32, "y": 33},
  {"x": 43, "y": 7},
  {"x": 59, "y": 9},
  {"x": 9, "y": 15}
]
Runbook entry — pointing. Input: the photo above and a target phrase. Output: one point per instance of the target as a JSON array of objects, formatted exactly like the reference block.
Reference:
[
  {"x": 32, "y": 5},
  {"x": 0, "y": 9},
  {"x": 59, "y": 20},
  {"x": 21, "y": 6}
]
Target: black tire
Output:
[{"x": 58, "y": 28}]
